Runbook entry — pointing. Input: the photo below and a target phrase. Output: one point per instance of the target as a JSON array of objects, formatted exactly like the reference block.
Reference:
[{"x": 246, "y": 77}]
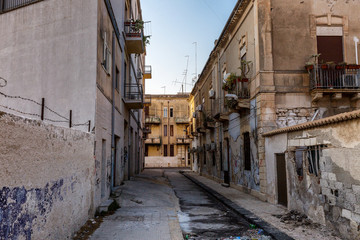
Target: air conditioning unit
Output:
[
  {"x": 212, "y": 94},
  {"x": 199, "y": 108},
  {"x": 139, "y": 74},
  {"x": 207, "y": 147}
]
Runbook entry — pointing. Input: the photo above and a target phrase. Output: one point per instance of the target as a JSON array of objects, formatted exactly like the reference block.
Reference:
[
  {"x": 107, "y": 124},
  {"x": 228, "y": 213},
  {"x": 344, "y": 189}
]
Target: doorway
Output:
[{"x": 281, "y": 179}]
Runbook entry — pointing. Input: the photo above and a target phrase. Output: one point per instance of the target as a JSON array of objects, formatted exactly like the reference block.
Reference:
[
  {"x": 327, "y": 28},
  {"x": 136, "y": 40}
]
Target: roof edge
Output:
[{"x": 321, "y": 122}]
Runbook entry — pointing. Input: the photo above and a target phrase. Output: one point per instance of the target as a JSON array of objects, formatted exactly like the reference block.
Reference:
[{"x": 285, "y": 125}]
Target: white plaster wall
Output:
[
  {"x": 49, "y": 50},
  {"x": 273, "y": 145},
  {"x": 47, "y": 179},
  {"x": 162, "y": 162}
]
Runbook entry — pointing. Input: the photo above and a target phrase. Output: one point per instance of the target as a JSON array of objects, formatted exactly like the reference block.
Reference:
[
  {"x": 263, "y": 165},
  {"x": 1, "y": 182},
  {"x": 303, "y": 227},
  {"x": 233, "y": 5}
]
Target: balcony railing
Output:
[
  {"x": 182, "y": 120},
  {"x": 134, "y": 37},
  {"x": 134, "y": 96},
  {"x": 334, "y": 78},
  {"x": 152, "y": 120},
  {"x": 182, "y": 140},
  {"x": 148, "y": 72},
  {"x": 153, "y": 141},
  {"x": 8, "y": 5}
]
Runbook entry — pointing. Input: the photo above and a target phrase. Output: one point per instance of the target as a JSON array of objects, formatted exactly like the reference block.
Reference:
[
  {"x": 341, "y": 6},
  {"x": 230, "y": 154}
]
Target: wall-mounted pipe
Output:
[{"x": 356, "y": 40}]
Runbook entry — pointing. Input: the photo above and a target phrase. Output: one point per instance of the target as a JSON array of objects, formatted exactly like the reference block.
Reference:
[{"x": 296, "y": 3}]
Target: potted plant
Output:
[
  {"x": 340, "y": 66},
  {"x": 245, "y": 69},
  {"x": 137, "y": 25},
  {"x": 229, "y": 82},
  {"x": 231, "y": 103},
  {"x": 313, "y": 61}
]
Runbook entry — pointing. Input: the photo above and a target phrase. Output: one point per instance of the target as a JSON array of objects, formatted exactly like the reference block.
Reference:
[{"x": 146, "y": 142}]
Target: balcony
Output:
[
  {"x": 337, "y": 80},
  {"x": 153, "y": 141},
  {"x": 182, "y": 140},
  {"x": 134, "y": 37},
  {"x": 148, "y": 72},
  {"x": 152, "y": 120},
  {"x": 134, "y": 96},
  {"x": 182, "y": 120},
  {"x": 8, "y": 5}
]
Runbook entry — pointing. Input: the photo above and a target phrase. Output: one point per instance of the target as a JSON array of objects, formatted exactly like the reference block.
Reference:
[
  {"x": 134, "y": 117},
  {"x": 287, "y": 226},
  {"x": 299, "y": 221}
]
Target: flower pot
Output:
[{"x": 309, "y": 67}]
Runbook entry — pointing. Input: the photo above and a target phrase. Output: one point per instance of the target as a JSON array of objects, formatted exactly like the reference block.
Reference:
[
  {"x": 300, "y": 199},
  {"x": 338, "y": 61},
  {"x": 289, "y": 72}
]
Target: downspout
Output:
[
  {"x": 220, "y": 110},
  {"x": 129, "y": 144},
  {"x": 356, "y": 40},
  {"x": 168, "y": 130},
  {"x": 113, "y": 113}
]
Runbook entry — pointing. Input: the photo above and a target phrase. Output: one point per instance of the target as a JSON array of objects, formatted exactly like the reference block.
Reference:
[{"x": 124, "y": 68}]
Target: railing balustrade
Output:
[
  {"x": 326, "y": 77},
  {"x": 8, "y": 5}
]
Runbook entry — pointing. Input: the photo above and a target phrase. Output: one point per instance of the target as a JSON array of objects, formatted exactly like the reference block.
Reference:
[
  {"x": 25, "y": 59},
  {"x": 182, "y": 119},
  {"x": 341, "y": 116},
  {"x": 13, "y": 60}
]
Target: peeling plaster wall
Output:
[
  {"x": 47, "y": 177},
  {"x": 160, "y": 161},
  {"x": 332, "y": 198}
]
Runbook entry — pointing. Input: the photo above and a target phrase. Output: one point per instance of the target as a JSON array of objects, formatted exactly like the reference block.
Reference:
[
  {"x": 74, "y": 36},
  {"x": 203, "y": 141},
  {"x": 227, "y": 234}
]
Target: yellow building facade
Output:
[{"x": 167, "y": 141}]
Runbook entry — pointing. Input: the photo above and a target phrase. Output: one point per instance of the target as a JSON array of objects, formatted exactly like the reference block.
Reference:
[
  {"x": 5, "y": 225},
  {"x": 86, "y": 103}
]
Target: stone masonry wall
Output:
[
  {"x": 332, "y": 197},
  {"x": 46, "y": 177}
]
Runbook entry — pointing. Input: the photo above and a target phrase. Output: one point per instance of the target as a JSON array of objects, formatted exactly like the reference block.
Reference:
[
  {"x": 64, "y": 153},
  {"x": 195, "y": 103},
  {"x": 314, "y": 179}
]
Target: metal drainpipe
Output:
[
  {"x": 129, "y": 132},
  {"x": 168, "y": 130},
  {"x": 220, "y": 96},
  {"x": 113, "y": 113}
]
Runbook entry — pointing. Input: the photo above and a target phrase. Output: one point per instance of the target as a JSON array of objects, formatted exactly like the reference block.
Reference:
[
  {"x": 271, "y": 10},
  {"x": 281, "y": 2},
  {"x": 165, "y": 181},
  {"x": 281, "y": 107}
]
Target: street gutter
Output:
[{"x": 249, "y": 216}]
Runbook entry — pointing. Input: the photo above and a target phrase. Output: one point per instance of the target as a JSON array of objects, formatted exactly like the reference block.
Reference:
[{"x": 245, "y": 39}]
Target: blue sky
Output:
[{"x": 175, "y": 26}]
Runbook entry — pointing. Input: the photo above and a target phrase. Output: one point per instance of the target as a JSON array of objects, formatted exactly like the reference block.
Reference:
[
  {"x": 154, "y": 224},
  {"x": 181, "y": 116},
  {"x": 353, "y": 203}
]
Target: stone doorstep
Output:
[{"x": 104, "y": 206}]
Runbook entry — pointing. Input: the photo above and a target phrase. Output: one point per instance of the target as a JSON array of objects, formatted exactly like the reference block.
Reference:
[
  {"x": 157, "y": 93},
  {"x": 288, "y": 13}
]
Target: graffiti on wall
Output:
[{"x": 21, "y": 207}]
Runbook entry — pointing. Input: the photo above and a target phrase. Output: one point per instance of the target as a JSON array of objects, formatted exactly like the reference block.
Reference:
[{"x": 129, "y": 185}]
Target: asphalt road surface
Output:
[{"x": 202, "y": 216}]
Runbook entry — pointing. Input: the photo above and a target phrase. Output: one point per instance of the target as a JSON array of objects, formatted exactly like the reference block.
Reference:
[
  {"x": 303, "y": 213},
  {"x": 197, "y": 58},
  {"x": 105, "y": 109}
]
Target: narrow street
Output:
[
  {"x": 164, "y": 204},
  {"x": 203, "y": 217}
]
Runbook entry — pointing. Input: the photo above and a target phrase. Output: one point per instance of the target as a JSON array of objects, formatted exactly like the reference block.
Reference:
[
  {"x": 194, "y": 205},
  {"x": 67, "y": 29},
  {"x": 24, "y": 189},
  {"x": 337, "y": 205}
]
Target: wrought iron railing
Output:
[
  {"x": 334, "y": 77},
  {"x": 8, "y": 5},
  {"x": 133, "y": 92},
  {"x": 133, "y": 29},
  {"x": 148, "y": 69}
]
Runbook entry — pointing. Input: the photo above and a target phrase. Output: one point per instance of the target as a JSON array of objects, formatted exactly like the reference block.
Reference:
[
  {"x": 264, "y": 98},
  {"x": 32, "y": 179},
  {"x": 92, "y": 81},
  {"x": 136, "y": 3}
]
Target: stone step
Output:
[{"x": 104, "y": 206}]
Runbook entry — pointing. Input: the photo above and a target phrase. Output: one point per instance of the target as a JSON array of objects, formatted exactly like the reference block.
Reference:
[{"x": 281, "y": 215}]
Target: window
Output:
[
  {"x": 171, "y": 112},
  {"x": 146, "y": 110},
  {"x": 146, "y": 150},
  {"x": 299, "y": 156},
  {"x": 165, "y": 112},
  {"x": 171, "y": 150},
  {"x": 204, "y": 153},
  {"x": 117, "y": 79},
  {"x": 106, "y": 55},
  {"x": 247, "y": 153},
  {"x": 171, "y": 130},
  {"x": 313, "y": 157},
  {"x": 165, "y": 130},
  {"x": 165, "y": 150},
  {"x": 330, "y": 43}
]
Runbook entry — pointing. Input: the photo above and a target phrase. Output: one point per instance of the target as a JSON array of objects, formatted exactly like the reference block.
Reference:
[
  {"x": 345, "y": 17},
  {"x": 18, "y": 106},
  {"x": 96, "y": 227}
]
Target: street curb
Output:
[{"x": 249, "y": 216}]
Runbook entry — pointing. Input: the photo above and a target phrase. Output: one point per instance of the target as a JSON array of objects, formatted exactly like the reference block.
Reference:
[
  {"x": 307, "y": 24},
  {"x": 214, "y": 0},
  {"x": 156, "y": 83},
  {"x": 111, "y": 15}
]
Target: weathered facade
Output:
[
  {"x": 47, "y": 179},
  {"x": 314, "y": 168},
  {"x": 82, "y": 64},
  {"x": 255, "y": 81},
  {"x": 167, "y": 142}
]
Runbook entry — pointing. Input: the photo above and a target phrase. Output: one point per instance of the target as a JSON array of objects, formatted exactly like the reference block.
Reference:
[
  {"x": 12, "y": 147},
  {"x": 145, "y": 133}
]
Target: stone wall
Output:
[
  {"x": 330, "y": 196},
  {"x": 47, "y": 177}
]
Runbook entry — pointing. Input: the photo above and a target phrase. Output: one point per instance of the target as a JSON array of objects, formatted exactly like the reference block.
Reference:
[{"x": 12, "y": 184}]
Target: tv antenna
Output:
[
  {"x": 164, "y": 87},
  {"x": 186, "y": 71}
]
